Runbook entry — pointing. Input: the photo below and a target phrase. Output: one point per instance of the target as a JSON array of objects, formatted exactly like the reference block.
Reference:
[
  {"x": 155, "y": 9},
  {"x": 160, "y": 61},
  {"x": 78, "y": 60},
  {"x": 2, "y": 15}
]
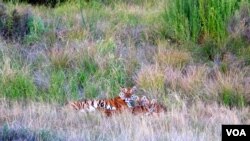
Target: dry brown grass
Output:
[
  {"x": 151, "y": 78},
  {"x": 189, "y": 80},
  {"x": 233, "y": 80},
  {"x": 171, "y": 57},
  {"x": 198, "y": 122},
  {"x": 60, "y": 57}
]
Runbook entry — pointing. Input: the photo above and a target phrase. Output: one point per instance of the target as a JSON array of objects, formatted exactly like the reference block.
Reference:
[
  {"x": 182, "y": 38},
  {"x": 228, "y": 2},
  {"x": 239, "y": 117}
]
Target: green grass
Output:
[
  {"x": 106, "y": 45},
  {"x": 18, "y": 87},
  {"x": 192, "y": 55},
  {"x": 197, "y": 19},
  {"x": 36, "y": 29},
  {"x": 232, "y": 98}
]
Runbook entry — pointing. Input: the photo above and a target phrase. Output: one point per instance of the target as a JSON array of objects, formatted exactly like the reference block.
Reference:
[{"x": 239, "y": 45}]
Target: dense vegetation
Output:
[{"x": 182, "y": 52}]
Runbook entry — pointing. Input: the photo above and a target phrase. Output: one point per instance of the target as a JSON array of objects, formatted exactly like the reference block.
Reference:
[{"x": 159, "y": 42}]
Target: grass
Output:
[
  {"x": 193, "y": 59},
  {"x": 194, "y": 20},
  {"x": 179, "y": 123}
]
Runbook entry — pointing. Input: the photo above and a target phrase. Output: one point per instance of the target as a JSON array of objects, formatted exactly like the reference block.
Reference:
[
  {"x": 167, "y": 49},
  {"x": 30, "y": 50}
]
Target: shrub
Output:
[
  {"x": 18, "y": 87},
  {"x": 20, "y": 26},
  {"x": 198, "y": 19},
  {"x": 14, "y": 25},
  {"x": 36, "y": 28}
]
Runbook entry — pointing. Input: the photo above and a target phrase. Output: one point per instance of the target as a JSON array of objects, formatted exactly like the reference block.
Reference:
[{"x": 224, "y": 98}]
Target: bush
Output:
[
  {"x": 14, "y": 83},
  {"x": 36, "y": 28},
  {"x": 20, "y": 26},
  {"x": 19, "y": 86},
  {"x": 198, "y": 19}
]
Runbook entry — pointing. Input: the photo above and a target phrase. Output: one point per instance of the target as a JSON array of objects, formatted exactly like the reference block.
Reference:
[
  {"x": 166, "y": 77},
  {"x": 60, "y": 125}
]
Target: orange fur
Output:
[
  {"x": 108, "y": 106},
  {"x": 144, "y": 106}
]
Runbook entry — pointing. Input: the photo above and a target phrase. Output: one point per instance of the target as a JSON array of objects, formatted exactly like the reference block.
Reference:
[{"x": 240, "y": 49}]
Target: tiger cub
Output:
[
  {"x": 156, "y": 108},
  {"x": 141, "y": 105},
  {"x": 144, "y": 106},
  {"x": 106, "y": 105}
]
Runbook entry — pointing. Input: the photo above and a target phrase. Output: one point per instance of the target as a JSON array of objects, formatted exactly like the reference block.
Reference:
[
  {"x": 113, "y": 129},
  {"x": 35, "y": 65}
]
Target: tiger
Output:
[
  {"x": 156, "y": 108},
  {"x": 108, "y": 106},
  {"x": 145, "y": 106},
  {"x": 141, "y": 105}
]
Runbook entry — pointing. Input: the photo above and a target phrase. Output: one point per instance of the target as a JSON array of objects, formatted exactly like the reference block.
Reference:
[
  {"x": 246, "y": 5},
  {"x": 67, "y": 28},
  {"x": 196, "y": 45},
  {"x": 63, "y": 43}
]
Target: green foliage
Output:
[
  {"x": 57, "y": 90},
  {"x": 231, "y": 98},
  {"x": 101, "y": 77},
  {"x": 20, "y": 26},
  {"x": 197, "y": 19},
  {"x": 129, "y": 19},
  {"x": 208, "y": 51},
  {"x": 36, "y": 29},
  {"x": 19, "y": 86}
]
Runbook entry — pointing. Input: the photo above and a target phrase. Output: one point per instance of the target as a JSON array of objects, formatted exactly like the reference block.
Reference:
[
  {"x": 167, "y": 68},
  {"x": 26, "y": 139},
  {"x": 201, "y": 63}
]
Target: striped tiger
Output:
[
  {"x": 108, "y": 106},
  {"x": 144, "y": 106},
  {"x": 141, "y": 105}
]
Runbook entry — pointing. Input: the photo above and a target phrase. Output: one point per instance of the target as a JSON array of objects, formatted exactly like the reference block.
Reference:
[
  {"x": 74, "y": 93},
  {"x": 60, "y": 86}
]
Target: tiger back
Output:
[{"x": 105, "y": 105}]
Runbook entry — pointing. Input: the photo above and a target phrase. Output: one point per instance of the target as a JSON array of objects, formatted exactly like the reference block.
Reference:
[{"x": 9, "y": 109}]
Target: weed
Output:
[{"x": 231, "y": 98}]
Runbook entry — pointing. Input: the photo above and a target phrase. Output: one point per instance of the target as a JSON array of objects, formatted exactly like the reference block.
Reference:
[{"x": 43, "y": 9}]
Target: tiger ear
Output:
[
  {"x": 144, "y": 100},
  {"x": 121, "y": 94},
  {"x": 133, "y": 89},
  {"x": 123, "y": 89}
]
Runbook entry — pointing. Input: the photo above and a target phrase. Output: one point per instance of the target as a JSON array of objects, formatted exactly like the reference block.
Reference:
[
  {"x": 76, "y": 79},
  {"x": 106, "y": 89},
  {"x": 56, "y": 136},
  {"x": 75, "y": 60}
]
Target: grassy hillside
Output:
[{"x": 192, "y": 55}]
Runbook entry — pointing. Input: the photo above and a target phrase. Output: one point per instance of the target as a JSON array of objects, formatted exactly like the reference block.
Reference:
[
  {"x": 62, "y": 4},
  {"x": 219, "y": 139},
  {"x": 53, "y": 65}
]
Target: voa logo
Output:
[{"x": 236, "y": 132}]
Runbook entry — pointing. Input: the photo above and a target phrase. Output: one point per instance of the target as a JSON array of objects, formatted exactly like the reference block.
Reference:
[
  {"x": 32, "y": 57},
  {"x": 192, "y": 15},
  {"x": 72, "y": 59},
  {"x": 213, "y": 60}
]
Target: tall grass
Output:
[
  {"x": 16, "y": 84},
  {"x": 199, "y": 121},
  {"x": 120, "y": 44},
  {"x": 197, "y": 20}
]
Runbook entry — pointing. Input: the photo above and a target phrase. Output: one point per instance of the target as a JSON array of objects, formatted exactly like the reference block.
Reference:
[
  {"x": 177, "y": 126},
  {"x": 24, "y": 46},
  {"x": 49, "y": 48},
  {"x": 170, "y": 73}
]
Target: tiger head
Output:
[
  {"x": 156, "y": 107},
  {"x": 140, "y": 101},
  {"x": 127, "y": 94}
]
